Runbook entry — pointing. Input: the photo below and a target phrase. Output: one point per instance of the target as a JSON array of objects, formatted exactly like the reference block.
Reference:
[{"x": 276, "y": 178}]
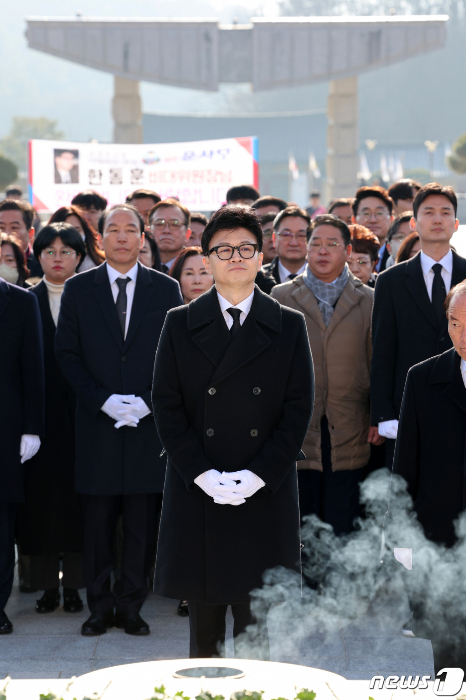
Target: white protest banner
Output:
[{"x": 199, "y": 173}]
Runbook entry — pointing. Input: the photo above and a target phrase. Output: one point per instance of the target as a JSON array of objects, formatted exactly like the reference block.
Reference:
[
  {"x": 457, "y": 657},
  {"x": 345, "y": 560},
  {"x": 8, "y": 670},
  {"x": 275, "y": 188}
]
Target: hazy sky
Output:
[{"x": 35, "y": 84}]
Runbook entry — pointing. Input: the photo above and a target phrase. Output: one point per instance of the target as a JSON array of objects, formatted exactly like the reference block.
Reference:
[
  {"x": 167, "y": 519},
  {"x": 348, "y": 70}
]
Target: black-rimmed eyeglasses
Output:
[{"x": 225, "y": 252}]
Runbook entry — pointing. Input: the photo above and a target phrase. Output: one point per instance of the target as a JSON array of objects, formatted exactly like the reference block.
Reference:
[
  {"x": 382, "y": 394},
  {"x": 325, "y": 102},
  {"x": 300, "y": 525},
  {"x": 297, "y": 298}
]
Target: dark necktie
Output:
[
  {"x": 438, "y": 293},
  {"x": 122, "y": 301},
  {"x": 292, "y": 276},
  {"x": 165, "y": 269},
  {"x": 235, "y": 314}
]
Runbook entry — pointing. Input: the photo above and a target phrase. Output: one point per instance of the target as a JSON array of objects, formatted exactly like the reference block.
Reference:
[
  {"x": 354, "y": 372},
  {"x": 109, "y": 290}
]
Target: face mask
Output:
[{"x": 9, "y": 274}]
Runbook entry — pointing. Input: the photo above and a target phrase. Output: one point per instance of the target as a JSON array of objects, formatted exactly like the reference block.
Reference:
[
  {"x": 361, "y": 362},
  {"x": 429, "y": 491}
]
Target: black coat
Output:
[
  {"x": 272, "y": 269},
  {"x": 430, "y": 448},
  {"x": 230, "y": 405},
  {"x": 265, "y": 281},
  {"x": 50, "y": 520},
  {"x": 385, "y": 256},
  {"x": 405, "y": 331},
  {"x": 97, "y": 363},
  {"x": 21, "y": 384}
]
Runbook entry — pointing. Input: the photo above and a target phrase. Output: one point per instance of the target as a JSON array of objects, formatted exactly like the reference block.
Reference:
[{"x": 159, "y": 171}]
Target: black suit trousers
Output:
[
  {"x": 207, "y": 626},
  {"x": 7, "y": 550},
  {"x": 139, "y": 519}
]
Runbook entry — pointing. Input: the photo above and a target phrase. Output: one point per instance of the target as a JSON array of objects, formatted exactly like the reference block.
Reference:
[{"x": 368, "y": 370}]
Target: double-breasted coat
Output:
[
  {"x": 50, "y": 519},
  {"x": 97, "y": 362},
  {"x": 431, "y": 444},
  {"x": 230, "y": 404},
  {"x": 21, "y": 384}
]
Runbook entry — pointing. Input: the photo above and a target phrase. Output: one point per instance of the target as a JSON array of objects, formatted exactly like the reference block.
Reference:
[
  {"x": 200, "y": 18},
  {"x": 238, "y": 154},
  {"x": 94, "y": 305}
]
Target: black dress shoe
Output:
[
  {"x": 183, "y": 610},
  {"x": 97, "y": 623},
  {"x": 49, "y": 601},
  {"x": 6, "y": 627},
  {"x": 132, "y": 623},
  {"x": 72, "y": 602}
]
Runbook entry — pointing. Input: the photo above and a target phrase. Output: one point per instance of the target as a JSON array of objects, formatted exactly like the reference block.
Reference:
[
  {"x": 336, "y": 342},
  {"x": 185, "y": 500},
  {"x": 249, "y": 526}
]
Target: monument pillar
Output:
[
  {"x": 342, "y": 138},
  {"x": 126, "y": 111}
]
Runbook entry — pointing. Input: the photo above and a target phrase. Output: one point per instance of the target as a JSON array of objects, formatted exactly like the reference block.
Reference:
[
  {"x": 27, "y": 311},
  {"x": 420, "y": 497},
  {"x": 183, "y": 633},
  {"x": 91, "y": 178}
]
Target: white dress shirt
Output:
[
  {"x": 284, "y": 273},
  {"x": 463, "y": 371},
  {"x": 447, "y": 267},
  {"x": 65, "y": 176},
  {"x": 244, "y": 305},
  {"x": 130, "y": 287}
]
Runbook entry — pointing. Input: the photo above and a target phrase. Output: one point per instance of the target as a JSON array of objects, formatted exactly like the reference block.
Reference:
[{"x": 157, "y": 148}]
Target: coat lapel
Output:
[
  {"x": 142, "y": 294},
  {"x": 349, "y": 298},
  {"x": 447, "y": 370},
  {"x": 106, "y": 303},
  {"x": 4, "y": 296},
  {"x": 48, "y": 323},
  {"x": 417, "y": 287},
  {"x": 213, "y": 338},
  {"x": 459, "y": 269}
]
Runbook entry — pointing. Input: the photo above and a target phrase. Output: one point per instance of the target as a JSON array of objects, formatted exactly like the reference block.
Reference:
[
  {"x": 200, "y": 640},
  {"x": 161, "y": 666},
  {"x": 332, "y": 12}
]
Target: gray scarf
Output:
[{"x": 327, "y": 295}]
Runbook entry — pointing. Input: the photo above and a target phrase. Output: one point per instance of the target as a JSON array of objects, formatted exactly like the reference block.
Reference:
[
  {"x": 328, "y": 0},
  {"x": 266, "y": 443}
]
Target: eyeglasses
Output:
[
  {"x": 361, "y": 263},
  {"x": 379, "y": 215},
  {"x": 225, "y": 252},
  {"x": 267, "y": 234},
  {"x": 398, "y": 238},
  {"x": 287, "y": 235},
  {"x": 173, "y": 224},
  {"x": 329, "y": 246},
  {"x": 64, "y": 253}
]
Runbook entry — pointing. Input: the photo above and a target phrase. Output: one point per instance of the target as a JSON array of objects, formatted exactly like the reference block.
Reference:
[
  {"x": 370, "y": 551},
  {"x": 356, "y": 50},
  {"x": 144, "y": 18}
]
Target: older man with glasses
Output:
[
  {"x": 290, "y": 227},
  {"x": 169, "y": 223},
  {"x": 373, "y": 208}
]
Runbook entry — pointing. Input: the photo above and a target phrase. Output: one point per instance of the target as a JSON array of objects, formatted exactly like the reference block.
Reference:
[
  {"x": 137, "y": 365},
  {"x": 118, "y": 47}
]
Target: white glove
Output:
[
  {"x": 388, "y": 429},
  {"x": 248, "y": 484},
  {"x": 405, "y": 556},
  {"x": 211, "y": 480},
  {"x": 117, "y": 407},
  {"x": 29, "y": 447},
  {"x": 135, "y": 407}
]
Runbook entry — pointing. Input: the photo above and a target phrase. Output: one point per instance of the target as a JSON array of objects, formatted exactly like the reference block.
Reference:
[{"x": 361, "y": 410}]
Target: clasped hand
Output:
[
  {"x": 229, "y": 488},
  {"x": 126, "y": 409}
]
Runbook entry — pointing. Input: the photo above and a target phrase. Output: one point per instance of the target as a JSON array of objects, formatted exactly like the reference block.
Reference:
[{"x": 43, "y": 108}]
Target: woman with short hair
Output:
[
  {"x": 50, "y": 518},
  {"x": 73, "y": 215},
  {"x": 364, "y": 257}
]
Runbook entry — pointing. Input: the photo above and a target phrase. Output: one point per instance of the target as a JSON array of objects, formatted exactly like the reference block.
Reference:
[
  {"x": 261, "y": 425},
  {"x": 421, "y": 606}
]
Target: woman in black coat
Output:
[{"x": 50, "y": 520}]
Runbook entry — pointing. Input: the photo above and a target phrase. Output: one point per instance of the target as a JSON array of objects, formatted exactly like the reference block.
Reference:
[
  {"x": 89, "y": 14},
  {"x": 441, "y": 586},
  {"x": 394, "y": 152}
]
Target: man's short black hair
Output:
[
  {"x": 27, "y": 212},
  {"x": 199, "y": 218},
  {"x": 373, "y": 191},
  {"x": 267, "y": 218},
  {"x": 396, "y": 223},
  {"x": 89, "y": 199},
  {"x": 337, "y": 203},
  {"x": 403, "y": 189},
  {"x": 143, "y": 194},
  {"x": 122, "y": 207},
  {"x": 229, "y": 218},
  {"x": 330, "y": 220},
  {"x": 68, "y": 234},
  {"x": 242, "y": 192},
  {"x": 433, "y": 188},
  {"x": 269, "y": 201},
  {"x": 315, "y": 193},
  {"x": 13, "y": 191},
  {"x": 292, "y": 210}
]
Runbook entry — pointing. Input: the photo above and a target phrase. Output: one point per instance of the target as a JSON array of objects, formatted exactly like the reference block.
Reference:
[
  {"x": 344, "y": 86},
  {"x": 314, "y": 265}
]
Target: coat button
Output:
[
  {"x": 254, "y": 433},
  {"x": 210, "y": 432},
  {"x": 256, "y": 390},
  {"x": 212, "y": 390}
]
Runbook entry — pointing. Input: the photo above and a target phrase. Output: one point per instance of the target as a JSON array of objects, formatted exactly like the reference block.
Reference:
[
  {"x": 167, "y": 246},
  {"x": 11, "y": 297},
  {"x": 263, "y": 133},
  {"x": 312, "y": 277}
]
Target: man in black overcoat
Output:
[
  {"x": 233, "y": 398},
  {"x": 22, "y": 407},
  {"x": 408, "y": 322},
  {"x": 108, "y": 329},
  {"x": 431, "y": 456}
]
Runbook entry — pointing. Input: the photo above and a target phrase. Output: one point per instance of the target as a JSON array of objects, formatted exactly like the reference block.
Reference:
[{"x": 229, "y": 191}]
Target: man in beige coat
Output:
[{"x": 337, "y": 308}]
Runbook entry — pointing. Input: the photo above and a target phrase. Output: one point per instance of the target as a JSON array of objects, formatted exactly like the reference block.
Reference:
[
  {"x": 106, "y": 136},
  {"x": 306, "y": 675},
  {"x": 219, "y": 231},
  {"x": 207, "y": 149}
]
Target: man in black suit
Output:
[
  {"x": 430, "y": 456},
  {"x": 222, "y": 403},
  {"x": 373, "y": 208},
  {"x": 408, "y": 322},
  {"x": 289, "y": 236},
  {"x": 22, "y": 408},
  {"x": 108, "y": 330},
  {"x": 66, "y": 166}
]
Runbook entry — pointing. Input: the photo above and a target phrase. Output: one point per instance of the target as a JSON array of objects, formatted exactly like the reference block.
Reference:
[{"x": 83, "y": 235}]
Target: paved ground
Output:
[{"x": 50, "y": 646}]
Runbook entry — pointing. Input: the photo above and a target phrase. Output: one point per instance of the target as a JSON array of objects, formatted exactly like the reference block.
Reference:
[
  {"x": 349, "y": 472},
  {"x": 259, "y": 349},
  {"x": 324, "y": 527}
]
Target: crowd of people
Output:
[{"x": 111, "y": 469}]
